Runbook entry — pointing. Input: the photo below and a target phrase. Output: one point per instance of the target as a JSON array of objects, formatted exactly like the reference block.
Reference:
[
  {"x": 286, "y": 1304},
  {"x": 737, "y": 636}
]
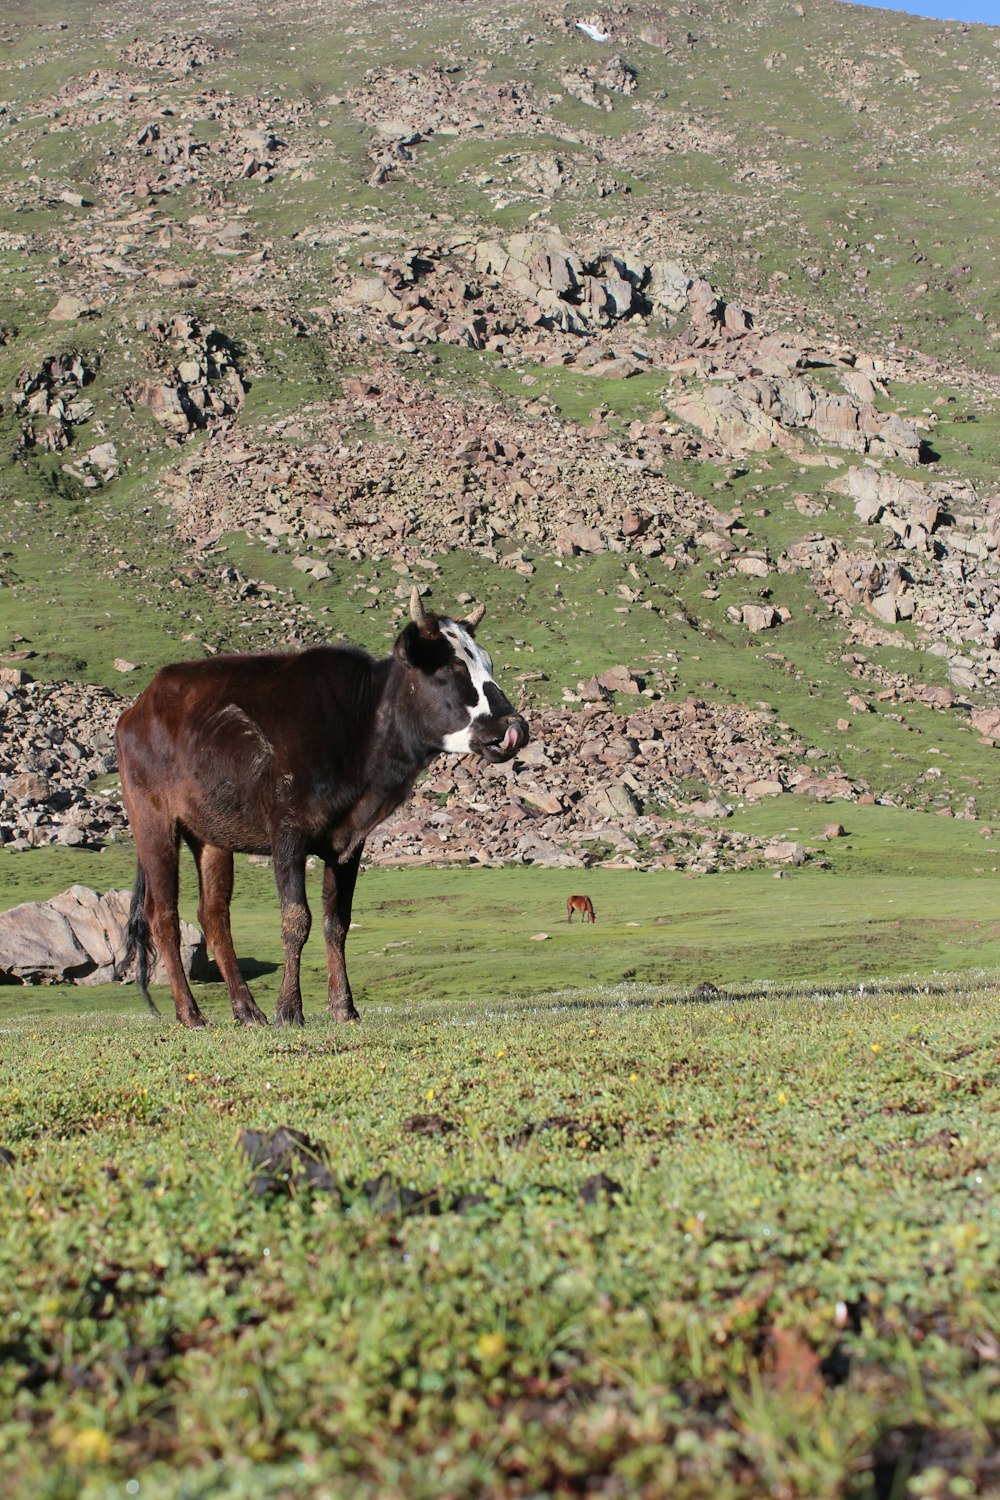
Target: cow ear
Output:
[{"x": 419, "y": 646}]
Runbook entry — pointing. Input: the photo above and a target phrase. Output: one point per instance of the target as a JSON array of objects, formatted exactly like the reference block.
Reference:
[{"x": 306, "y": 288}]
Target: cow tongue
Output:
[{"x": 509, "y": 740}]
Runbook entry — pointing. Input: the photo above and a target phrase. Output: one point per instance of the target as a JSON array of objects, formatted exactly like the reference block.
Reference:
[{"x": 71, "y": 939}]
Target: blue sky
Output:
[{"x": 948, "y": 10}]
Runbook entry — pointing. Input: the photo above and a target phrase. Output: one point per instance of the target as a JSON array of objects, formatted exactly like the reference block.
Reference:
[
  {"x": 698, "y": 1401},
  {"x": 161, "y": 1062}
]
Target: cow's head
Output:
[{"x": 449, "y": 687}]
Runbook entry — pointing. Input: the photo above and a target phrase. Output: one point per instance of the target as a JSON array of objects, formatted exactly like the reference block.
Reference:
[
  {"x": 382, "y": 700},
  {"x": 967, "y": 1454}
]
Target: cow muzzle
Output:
[{"x": 499, "y": 741}]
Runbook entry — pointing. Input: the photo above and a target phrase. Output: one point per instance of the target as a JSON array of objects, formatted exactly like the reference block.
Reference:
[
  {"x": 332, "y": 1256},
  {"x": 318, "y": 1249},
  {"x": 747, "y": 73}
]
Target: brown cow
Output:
[
  {"x": 290, "y": 755},
  {"x": 583, "y": 905}
]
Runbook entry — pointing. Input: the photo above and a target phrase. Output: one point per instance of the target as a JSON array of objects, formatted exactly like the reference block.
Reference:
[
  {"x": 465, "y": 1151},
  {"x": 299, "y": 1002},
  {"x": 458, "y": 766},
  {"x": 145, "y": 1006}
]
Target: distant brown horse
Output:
[{"x": 583, "y": 905}]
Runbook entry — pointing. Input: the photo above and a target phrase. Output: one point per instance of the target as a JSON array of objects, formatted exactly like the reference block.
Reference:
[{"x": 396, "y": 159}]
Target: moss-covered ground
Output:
[{"x": 789, "y": 1282}]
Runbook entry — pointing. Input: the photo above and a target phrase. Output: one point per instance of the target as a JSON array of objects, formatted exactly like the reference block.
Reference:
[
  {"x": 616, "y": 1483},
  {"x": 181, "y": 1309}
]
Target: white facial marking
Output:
[{"x": 481, "y": 671}]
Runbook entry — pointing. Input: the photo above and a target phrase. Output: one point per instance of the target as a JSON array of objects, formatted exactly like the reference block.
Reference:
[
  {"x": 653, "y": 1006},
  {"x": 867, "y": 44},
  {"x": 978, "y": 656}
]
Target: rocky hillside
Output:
[{"x": 669, "y": 331}]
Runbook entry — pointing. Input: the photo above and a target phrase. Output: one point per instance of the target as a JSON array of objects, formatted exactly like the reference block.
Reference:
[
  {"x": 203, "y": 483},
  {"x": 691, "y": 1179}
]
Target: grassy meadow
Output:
[
  {"x": 792, "y": 1289},
  {"x": 585, "y": 1231},
  {"x": 785, "y": 1282}
]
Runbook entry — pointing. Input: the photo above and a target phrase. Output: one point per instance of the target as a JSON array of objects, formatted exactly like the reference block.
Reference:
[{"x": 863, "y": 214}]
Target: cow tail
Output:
[{"x": 139, "y": 943}]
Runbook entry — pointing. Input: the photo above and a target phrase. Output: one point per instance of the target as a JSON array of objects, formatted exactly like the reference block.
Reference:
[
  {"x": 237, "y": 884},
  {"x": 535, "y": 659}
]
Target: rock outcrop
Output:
[
  {"x": 56, "y": 740},
  {"x": 78, "y": 937},
  {"x": 597, "y": 784}
]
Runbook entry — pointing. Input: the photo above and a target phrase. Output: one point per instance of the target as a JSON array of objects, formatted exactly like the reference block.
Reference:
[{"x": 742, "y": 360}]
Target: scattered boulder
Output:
[
  {"x": 78, "y": 937},
  {"x": 56, "y": 739},
  {"x": 199, "y": 382},
  {"x": 755, "y": 617},
  {"x": 621, "y": 679},
  {"x": 69, "y": 308},
  {"x": 285, "y": 1160},
  {"x": 29, "y": 787},
  {"x": 785, "y": 852},
  {"x": 50, "y": 400},
  {"x": 600, "y": 1187},
  {"x": 427, "y": 1125},
  {"x": 386, "y": 1195}
]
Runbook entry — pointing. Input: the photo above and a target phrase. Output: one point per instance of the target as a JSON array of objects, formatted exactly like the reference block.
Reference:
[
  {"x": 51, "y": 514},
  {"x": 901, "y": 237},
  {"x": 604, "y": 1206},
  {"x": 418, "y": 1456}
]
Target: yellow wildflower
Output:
[
  {"x": 85, "y": 1445},
  {"x": 491, "y": 1345}
]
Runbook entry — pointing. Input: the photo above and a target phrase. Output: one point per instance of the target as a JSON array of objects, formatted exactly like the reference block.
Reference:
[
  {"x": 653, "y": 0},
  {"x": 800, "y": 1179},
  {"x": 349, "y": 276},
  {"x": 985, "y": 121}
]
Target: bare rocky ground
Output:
[
  {"x": 478, "y": 289},
  {"x": 595, "y": 784}
]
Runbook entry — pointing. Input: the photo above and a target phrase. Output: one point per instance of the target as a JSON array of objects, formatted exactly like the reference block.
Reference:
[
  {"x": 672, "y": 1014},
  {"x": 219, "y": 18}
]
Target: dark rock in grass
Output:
[
  {"x": 600, "y": 1186},
  {"x": 562, "y": 1122},
  {"x": 387, "y": 1195},
  {"x": 546, "y": 1192},
  {"x": 7, "y": 1158},
  {"x": 313, "y": 1175},
  {"x": 317, "y": 1176},
  {"x": 707, "y": 991},
  {"x": 530, "y": 1128},
  {"x": 902, "y": 1454},
  {"x": 269, "y": 1147},
  {"x": 427, "y": 1125},
  {"x": 288, "y": 1159},
  {"x": 467, "y": 1201},
  {"x": 264, "y": 1184},
  {"x": 462, "y": 1203}
]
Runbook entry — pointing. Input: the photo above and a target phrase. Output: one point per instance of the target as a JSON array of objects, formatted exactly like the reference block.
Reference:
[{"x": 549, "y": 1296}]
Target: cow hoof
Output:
[
  {"x": 345, "y": 1015},
  {"x": 194, "y": 1020},
  {"x": 250, "y": 1015},
  {"x": 296, "y": 1019}
]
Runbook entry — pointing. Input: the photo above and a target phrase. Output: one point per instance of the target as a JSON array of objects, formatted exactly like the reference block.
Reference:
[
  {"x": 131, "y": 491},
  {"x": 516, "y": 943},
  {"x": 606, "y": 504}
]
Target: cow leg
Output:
[
  {"x": 215, "y": 878},
  {"x": 157, "y": 849},
  {"x": 338, "y": 897},
  {"x": 290, "y": 876}
]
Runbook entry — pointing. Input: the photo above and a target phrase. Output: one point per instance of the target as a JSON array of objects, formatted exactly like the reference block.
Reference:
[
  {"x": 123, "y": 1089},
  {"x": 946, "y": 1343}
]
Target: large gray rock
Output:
[
  {"x": 38, "y": 946},
  {"x": 578, "y": 537},
  {"x": 76, "y": 938},
  {"x": 785, "y": 852},
  {"x": 755, "y": 617},
  {"x": 728, "y": 416},
  {"x": 614, "y": 803},
  {"x": 29, "y": 787}
]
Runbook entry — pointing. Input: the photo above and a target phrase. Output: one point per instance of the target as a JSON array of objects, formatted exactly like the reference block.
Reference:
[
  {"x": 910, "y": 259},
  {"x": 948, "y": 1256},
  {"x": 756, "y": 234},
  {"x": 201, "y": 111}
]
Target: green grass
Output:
[
  {"x": 905, "y": 895},
  {"x": 795, "y": 1286}
]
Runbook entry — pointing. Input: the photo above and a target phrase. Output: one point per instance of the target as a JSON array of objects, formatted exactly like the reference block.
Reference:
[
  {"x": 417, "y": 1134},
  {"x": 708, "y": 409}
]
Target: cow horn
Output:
[
  {"x": 417, "y": 612},
  {"x": 476, "y": 616}
]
